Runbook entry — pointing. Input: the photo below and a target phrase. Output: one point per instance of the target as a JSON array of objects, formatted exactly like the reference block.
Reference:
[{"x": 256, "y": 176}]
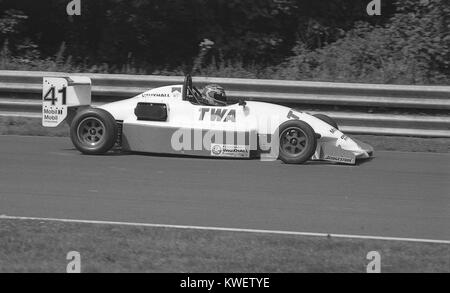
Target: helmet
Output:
[{"x": 214, "y": 94}]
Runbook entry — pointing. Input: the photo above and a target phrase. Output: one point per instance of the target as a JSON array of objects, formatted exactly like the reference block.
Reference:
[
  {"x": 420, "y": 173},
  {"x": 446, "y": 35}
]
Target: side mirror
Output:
[{"x": 242, "y": 103}]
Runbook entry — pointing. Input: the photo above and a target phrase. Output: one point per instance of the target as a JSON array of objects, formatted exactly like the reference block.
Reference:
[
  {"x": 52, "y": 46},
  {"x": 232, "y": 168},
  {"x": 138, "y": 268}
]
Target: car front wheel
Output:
[{"x": 297, "y": 142}]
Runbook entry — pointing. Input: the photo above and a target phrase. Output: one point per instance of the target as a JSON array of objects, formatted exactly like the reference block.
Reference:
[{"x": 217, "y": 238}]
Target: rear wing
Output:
[{"x": 60, "y": 93}]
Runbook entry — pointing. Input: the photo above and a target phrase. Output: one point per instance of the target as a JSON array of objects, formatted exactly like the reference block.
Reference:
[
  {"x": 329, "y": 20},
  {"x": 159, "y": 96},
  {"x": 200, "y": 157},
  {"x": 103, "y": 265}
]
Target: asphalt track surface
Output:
[{"x": 396, "y": 194}]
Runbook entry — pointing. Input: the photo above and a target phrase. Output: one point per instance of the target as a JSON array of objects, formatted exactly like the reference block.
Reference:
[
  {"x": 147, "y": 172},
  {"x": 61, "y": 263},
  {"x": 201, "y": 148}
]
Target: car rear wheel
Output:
[
  {"x": 327, "y": 119},
  {"x": 297, "y": 142},
  {"x": 93, "y": 131}
]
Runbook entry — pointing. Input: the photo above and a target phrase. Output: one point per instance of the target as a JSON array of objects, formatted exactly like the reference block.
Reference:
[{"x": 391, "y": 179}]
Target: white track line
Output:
[{"x": 5, "y": 217}]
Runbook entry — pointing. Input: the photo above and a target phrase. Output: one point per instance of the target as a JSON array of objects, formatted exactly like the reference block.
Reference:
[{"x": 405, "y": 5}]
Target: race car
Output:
[{"x": 182, "y": 119}]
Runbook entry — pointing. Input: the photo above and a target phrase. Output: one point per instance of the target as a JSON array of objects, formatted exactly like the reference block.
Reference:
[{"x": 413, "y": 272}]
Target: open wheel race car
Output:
[{"x": 175, "y": 119}]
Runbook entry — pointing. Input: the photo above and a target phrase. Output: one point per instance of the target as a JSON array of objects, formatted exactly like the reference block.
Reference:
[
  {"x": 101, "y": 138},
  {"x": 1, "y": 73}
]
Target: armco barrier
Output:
[{"x": 20, "y": 93}]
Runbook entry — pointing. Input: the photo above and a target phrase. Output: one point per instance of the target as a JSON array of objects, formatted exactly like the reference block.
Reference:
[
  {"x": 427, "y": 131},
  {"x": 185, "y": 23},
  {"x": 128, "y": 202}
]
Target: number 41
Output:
[{"x": 50, "y": 95}]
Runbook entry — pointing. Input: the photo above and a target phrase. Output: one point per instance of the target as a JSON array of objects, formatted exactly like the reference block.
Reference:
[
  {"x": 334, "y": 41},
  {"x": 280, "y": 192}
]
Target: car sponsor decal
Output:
[
  {"x": 176, "y": 92},
  {"x": 343, "y": 136},
  {"x": 163, "y": 95},
  {"x": 217, "y": 114},
  {"x": 338, "y": 159},
  {"x": 228, "y": 150},
  {"x": 292, "y": 115}
]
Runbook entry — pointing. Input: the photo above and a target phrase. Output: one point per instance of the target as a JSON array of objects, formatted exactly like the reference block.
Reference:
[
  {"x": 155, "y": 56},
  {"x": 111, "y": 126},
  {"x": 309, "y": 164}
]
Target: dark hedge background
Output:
[{"x": 289, "y": 39}]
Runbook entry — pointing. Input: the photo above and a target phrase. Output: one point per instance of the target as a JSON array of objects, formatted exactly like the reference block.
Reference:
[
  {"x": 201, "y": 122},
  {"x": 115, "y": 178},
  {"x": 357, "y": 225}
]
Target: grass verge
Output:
[
  {"x": 42, "y": 246},
  {"x": 32, "y": 126}
]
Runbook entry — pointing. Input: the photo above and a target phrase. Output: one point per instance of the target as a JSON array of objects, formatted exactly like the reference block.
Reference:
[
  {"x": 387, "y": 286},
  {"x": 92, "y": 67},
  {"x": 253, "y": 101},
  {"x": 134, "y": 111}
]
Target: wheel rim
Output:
[
  {"x": 293, "y": 141},
  {"x": 91, "y": 131}
]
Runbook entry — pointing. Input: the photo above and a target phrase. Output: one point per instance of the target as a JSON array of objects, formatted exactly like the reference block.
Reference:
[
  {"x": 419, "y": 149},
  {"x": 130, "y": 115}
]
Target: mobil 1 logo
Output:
[{"x": 54, "y": 101}]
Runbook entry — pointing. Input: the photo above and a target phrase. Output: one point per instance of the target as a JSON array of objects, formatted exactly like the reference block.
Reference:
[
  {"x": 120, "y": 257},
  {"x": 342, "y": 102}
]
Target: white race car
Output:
[{"x": 175, "y": 120}]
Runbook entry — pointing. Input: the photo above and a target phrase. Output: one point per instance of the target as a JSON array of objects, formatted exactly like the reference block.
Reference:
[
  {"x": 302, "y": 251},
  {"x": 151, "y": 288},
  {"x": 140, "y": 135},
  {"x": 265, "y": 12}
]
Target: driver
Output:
[{"x": 214, "y": 95}]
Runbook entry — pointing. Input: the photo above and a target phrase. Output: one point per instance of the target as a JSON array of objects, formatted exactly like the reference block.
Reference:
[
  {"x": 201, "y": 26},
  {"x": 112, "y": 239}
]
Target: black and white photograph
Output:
[{"x": 217, "y": 143}]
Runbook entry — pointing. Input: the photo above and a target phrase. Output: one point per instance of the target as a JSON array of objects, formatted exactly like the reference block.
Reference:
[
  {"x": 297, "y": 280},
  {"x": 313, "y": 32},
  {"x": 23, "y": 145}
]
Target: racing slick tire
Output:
[
  {"x": 297, "y": 142},
  {"x": 327, "y": 119},
  {"x": 93, "y": 131}
]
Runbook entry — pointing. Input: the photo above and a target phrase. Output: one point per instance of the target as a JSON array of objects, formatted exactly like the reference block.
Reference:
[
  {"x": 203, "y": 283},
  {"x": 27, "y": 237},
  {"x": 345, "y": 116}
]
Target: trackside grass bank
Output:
[
  {"x": 42, "y": 246},
  {"x": 32, "y": 126}
]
